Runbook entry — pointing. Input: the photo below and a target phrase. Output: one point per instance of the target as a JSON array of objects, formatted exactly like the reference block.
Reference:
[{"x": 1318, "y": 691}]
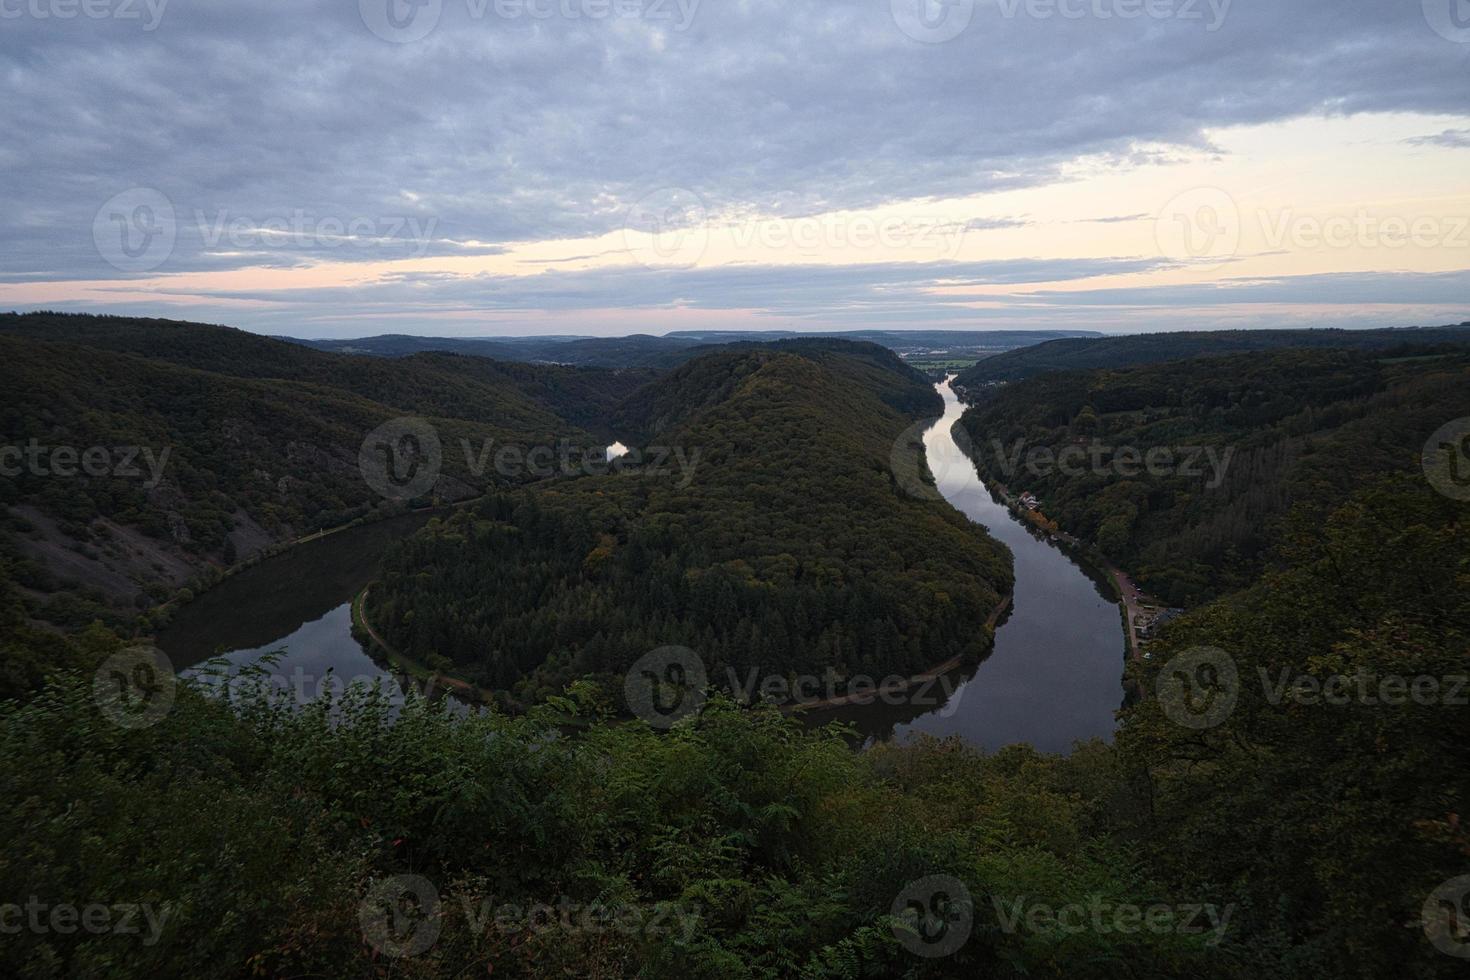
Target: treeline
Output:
[
  {"x": 1132, "y": 351},
  {"x": 1248, "y": 436},
  {"x": 787, "y": 546}
]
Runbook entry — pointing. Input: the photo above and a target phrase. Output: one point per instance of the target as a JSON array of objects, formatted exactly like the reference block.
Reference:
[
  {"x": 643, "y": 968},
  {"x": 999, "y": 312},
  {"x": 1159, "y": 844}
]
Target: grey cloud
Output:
[
  {"x": 519, "y": 129},
  {"x": 992, "y": 224},
  {"x": 1453, "y": 138},
  {"x": 1339, "y": 289},
  {"x": 1115, "y": 219},
  {"x": 493, "y": 131}
]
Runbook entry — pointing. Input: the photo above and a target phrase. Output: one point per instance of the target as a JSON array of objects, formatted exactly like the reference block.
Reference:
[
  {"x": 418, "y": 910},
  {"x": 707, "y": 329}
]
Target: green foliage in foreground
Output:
[
  {"x": 255, "y": 840},
  {"x": 1314, "y": 831}
]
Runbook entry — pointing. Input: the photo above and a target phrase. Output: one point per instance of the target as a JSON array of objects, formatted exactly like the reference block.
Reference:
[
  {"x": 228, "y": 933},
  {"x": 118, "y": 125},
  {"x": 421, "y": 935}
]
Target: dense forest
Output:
[
  {"x": 213, "y": 443},
  {"x": 1139, "y": 349},
  {"x": 1243, "y": 438},
  {"x": 1294, "y": 839},
  {"x": 1245, "y": 823},
  {"x": 786, "y": 545}
]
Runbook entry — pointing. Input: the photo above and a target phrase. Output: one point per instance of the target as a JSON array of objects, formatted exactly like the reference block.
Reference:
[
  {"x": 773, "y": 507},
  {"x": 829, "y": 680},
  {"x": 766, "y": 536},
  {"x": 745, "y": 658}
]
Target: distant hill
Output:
[
  {"x": 639, "y": 350},
  {"x": 642, "y": 350},
  {"x": 1112, "y": 352},
  {"x": 433, "y": 381},
  {"x": 987, "y": 340}
]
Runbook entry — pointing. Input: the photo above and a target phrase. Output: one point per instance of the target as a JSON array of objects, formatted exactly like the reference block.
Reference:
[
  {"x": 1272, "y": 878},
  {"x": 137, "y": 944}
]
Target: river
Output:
[{"x": 1055, "y": 675}]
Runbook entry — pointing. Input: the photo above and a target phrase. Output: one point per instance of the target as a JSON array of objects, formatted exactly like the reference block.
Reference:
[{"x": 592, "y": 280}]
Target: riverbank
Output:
[
  {"x": 161, "y": 615},
  {"x": 362, "y": 628},
  {"x": 1127, "y": 592},
  {"x": 902, "y": 686}
]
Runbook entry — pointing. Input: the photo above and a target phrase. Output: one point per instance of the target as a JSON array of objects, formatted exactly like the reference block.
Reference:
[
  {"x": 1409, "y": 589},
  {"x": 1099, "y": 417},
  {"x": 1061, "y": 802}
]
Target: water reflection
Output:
[
  {"x": 296, "y": 610},
  {"x": 1056, "y": 674}
]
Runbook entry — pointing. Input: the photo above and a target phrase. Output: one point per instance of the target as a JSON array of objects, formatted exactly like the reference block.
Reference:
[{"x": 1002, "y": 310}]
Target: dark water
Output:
[
  {"x": 1056, "y": 674},
  {"x": 297, "y": 603}
]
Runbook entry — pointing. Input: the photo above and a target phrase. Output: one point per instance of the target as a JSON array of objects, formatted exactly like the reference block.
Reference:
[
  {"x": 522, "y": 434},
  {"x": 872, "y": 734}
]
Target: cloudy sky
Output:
[{"x": 464, "y": 167}]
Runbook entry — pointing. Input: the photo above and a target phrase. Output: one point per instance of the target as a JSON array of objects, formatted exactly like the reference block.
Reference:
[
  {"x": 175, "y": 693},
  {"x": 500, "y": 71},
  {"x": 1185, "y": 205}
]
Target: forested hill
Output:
[
  {"x": 1242, "y": 440},
  {"x": 714, "y": 378},
  {"x": 441, "y": 383},
  {"x": 778, "y": 538},
  {"x": 1116, "y": 352},
  {"x": 209, "y": 444}
]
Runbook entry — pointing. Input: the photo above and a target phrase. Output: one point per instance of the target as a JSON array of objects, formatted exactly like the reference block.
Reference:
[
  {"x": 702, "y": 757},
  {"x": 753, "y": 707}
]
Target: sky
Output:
[{"x": 342, "y": 168}]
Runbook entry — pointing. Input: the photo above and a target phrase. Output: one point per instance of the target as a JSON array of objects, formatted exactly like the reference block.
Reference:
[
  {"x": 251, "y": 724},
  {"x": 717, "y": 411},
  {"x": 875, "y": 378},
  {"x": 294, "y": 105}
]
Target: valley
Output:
[{"x": 681, "y": 675}]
